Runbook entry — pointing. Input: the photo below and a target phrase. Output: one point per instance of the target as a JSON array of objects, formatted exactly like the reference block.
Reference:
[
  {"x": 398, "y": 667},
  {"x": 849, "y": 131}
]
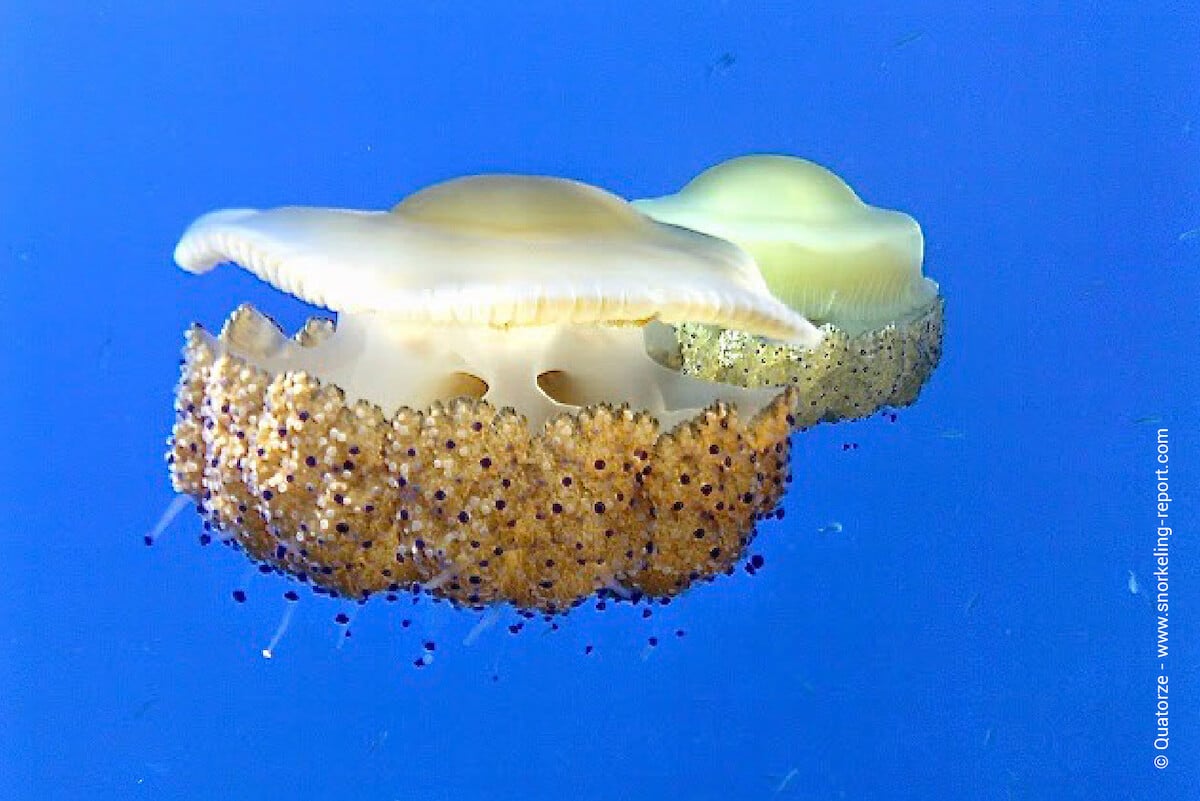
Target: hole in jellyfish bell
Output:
[
  {"x": 662, "y": 344},
  {"x": 463, "y": 385},
  {"x": 562, "y": 387}
]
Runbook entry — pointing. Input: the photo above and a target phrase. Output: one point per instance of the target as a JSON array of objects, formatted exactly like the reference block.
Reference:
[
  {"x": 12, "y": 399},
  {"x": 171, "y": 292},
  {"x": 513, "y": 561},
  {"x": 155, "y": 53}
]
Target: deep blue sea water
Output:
[{"x": 970, "y": 633}]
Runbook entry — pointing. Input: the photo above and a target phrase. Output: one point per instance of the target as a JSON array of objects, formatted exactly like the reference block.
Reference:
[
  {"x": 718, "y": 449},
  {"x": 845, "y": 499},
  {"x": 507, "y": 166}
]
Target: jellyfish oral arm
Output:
[{"x": 541, "y": 371}]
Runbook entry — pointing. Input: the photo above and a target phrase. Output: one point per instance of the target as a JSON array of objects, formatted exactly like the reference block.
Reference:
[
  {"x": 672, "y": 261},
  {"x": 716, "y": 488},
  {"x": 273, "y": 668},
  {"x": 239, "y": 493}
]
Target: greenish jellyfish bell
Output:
[{"x": 849, "y": 267}]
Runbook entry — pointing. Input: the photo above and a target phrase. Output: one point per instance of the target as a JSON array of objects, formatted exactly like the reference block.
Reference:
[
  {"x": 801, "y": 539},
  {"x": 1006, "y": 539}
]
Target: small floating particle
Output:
[
  {"x": 787, "y": 780},
  {"x": 905, "y": 41},
  {"x": 971, "y": 603},
  {"x": 722, "y": 65}
]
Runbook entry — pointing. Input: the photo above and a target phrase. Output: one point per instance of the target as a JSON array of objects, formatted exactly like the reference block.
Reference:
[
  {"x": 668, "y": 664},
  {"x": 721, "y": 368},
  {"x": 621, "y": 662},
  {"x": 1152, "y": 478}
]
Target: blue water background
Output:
[{"x": 968, "y": 634}]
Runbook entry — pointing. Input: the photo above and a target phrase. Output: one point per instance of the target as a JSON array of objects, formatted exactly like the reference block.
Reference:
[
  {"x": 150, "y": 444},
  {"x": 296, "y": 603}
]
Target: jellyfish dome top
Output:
[
  {"x": 490, "y": 419},
  {"x": 851, "y": 268}
]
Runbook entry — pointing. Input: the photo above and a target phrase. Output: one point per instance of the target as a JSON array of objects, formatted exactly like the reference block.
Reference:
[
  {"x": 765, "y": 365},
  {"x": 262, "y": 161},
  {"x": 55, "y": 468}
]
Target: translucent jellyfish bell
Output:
[{"x": 851, "y": 268}]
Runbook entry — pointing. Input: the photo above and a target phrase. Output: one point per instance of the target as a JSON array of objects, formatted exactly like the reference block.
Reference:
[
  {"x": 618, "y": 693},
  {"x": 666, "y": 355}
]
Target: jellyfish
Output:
[
  {"x": 491, "y": 418},
  {"x": 851, "y": 268}
]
